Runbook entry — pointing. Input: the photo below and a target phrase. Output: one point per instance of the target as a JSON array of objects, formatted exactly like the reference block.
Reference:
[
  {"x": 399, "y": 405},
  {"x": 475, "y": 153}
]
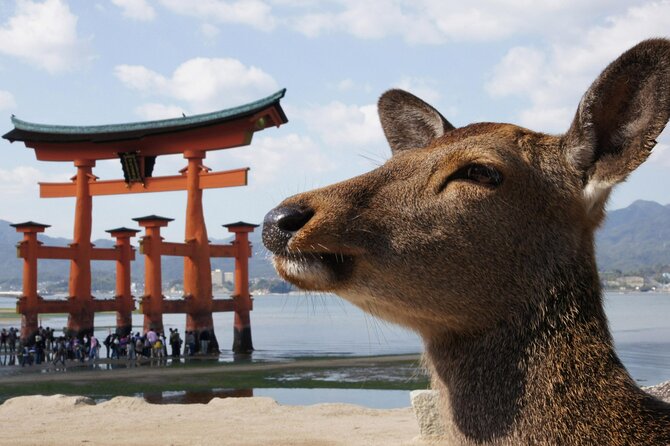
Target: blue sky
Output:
[{"x": 110, "y": 61}]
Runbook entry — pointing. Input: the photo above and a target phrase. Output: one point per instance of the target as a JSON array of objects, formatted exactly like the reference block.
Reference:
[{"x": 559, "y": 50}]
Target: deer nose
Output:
[{"x": 281, "y": 223}]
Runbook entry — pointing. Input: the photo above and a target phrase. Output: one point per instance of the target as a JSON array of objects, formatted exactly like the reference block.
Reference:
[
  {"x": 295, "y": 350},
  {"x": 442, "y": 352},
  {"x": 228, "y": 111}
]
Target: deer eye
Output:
[
  {"x": 483, "y": 174},
  {"x": 476, "y": 173}
]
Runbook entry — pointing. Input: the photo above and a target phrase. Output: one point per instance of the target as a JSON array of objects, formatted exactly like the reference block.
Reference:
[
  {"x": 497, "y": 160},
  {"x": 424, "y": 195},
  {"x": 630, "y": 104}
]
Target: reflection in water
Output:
[
  {"x": 8, "y": 359},
  {"x": 194, "y": 396}
]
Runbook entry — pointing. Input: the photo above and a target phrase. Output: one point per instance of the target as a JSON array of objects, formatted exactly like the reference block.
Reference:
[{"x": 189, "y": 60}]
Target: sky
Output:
[{"x": 85, "y": 62}]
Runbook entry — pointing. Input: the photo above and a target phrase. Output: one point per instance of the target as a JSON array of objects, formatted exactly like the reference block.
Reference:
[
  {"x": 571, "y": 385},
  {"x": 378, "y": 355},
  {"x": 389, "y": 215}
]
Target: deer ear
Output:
[
  {"x": 619, "y": 119},
  {"x": 408, "y": 122}
]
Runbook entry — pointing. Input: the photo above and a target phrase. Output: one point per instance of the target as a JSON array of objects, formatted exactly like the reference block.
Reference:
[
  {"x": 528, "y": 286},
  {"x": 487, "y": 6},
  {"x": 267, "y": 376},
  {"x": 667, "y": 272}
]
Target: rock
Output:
[
  {"x": 426, "y": 404},
  {"x": 426, "y": 407},
  {"x": 661, "y": 391}
]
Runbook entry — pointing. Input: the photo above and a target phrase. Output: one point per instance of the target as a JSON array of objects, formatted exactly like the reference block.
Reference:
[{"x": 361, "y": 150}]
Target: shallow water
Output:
[
  {"x": 375, "y": 399},
  {"x": 291, "y": 326},
  {"x": 640, "y": 324}
]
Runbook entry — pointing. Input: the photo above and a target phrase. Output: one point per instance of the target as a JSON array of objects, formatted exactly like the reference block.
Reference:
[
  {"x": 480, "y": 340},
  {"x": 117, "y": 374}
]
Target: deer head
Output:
[{"x": 464, "y": 227}]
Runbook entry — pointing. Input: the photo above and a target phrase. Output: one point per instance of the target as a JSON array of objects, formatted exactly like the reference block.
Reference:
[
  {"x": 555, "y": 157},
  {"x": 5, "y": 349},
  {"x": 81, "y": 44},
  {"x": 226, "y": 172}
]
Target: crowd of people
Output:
[{"x": 45, "y": 346}]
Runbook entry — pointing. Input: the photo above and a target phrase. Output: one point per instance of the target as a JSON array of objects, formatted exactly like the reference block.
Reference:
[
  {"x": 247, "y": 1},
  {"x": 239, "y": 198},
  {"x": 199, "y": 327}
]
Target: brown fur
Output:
[{"x": 500, "y": 280}]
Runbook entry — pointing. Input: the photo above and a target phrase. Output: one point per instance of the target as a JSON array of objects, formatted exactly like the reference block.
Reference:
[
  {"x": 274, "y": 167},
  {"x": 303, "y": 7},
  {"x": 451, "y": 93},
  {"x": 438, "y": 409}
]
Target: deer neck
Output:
[{"x": 523, "y": 382}]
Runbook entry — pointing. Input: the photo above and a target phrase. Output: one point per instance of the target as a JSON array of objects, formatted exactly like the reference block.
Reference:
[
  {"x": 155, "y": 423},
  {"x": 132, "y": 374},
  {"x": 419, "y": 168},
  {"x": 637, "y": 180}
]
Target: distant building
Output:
[
  {"x": 217, "y": 278},
  {"x": 229, "y": 277},
  {"x": 636, "y": 282}
]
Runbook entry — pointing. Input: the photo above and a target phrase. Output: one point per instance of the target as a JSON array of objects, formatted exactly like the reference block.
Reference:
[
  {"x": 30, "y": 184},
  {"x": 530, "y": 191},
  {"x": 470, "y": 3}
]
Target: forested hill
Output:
[
  {"x": 635, "y": 238},
  {"x": 58, "y": 270}
]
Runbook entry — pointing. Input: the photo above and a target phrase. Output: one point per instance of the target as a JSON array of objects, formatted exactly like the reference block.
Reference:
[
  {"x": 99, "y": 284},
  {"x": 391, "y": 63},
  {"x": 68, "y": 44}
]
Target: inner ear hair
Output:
[
  {"x": 408, "y": 122},
  {"x": 622, "y": 114}
]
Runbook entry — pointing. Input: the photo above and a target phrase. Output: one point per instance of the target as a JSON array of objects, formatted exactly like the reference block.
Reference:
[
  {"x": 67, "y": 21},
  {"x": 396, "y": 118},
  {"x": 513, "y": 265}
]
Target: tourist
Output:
[
  {"x": 152, "y": 337},
  {"x": 48, "y": 342},
  {"x": 148, "y": 347},
  {"x": 20, "y": 353},
  {"x": 204, "y": 342},
  {"x": 61, "y": 351},
  {"x": 157, "y": 350},
  {"x": 123, "y": 346},
  {"x": 38, "y": 347},
  {"x": 26, "y": 355},
  {"x": 116, "y": 346},
  {"x": 70, "y": 349},
  {"x": 108, "y": 343},
  {"x": 132, "y": 347},
  {"x": 139, "y": 345},
  {"x": 11, "y": 340},
  {"x": 190, "y": 344},
  {"x": 164, "y": 344},
  {"x": 79, "y": 349},
  {"x": 93, "y": 349},
  {"x": 175, "y": 342},
  {"x": 4, "y": 336}
]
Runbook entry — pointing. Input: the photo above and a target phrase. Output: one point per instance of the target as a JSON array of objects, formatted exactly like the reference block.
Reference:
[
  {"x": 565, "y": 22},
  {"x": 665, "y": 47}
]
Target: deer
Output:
[{"x": 481, "y": 240}]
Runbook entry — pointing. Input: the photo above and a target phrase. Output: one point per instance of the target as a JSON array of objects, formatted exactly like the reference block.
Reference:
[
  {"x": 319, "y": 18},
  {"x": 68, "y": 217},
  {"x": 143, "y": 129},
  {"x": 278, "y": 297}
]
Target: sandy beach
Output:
[
  {"x": 75, "y": 420},
  {"x": 70, "y": 420}
]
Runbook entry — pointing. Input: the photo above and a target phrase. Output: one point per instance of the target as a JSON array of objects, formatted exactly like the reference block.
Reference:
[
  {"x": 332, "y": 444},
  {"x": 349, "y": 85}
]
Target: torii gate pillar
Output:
[
  {"x": 243, "y": 304},
  {"x": 197, "y": 267},
  {"x": 80, "y": 319},
  {"x": 124, "y": 316},
  {"x": 151, "y": 246},
  {"x": 29, "y": 301}
]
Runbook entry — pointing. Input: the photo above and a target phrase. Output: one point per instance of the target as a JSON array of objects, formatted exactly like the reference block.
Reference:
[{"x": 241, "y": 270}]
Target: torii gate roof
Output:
[{"x": 209, "y": 131}]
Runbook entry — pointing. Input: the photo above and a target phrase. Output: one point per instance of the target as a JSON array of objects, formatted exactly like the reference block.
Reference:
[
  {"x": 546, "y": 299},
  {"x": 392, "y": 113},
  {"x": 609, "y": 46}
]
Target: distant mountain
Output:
[
  {"x": 631, "y": 239},
  {"x": 635, "y": 238},
  {"x": 103, "y": 272}
]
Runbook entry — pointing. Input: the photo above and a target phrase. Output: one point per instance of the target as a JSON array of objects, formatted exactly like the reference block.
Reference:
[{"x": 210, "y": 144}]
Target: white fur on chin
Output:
[{"x": 304, "y": 270}]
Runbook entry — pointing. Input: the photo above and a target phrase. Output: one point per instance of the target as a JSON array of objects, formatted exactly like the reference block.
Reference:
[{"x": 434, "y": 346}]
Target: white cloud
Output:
[
  {"x": 136, "y": 9},
  {"x": 437, "y": 21},
  {"x": 153, "y": 111},
  {"x": 141, "y": 78},
  {"x": 204, "y": 84},
  {"x": 339, "y": 124},
  {"x": 345, "y": 85},
  {"x": 7, "y": 101},
  {"x": 255, "y": 13},
  {"x": 44, "y": 34},
  {"x": 661, "y": 154},
  {"x": 22, "y": 180},
  {"x": 209, "y": 31},
  {"x": 518, "y": 72},
  {"x": 553, "y": 78},
  {"x": 424, "y": 88},
  {"x": 415, "y": 21},
  {"x": 349, "y": 85},
  {"x": 548, "y": 118},
  {"x": 270, "y": 158}
]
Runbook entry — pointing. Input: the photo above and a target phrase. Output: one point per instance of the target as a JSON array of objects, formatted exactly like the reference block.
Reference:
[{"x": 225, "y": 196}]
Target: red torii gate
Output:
[{"x": 137, "y": 145}]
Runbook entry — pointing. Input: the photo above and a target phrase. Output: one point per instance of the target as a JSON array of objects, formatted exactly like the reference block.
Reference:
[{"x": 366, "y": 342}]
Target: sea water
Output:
[{"x": 305, "y": 325}]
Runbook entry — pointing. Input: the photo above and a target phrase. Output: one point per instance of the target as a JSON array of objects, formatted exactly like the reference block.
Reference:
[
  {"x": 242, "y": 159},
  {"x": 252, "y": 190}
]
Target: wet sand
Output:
[{"x": 37, "y": 374}]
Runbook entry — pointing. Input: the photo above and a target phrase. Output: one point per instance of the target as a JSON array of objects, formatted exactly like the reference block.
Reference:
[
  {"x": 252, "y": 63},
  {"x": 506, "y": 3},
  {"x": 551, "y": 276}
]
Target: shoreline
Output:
[
  {"x": 203, "y": 377},
  {"x": 196, "y": 370}
]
